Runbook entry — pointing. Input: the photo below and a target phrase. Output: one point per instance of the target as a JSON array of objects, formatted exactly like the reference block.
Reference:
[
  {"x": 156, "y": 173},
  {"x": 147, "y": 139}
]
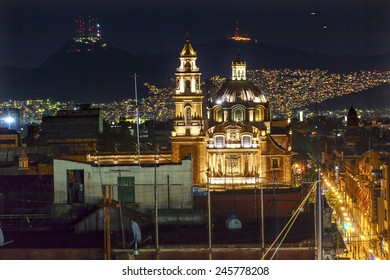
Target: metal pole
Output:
[
  {"x": 137, "y": 117},
  {"x": 169, "y": 195},
  {"x": 319, "y": 217},
  {"x": 155, "y": 194},
  {"x": 108, "y": 209},
  {"x": 209, "y": 213},
  {"x": 262, "y": 219},
  {"x": 105, "y": 221}
]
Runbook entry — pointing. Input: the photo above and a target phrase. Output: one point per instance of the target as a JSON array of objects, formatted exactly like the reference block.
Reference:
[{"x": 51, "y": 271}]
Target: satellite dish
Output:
[
  {"x": 136, "y": 232},
  {"x": 2, "y": 239},
  {"x": 233, "y": 223},
  {"x": 137, "y": 237}
]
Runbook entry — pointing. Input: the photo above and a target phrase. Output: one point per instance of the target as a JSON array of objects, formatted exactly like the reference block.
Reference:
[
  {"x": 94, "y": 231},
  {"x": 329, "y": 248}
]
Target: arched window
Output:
[
  {"x": 187, "y": 66},
  {"x": 238, "y": 115},
  {"x": 188, "y": 86},
  {"x": 187, "y": 115},
  {"x": 218, "y": 114},
  {"x": 259, "y": 114}
]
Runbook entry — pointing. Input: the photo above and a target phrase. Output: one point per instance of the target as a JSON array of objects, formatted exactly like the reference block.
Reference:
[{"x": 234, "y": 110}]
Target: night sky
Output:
[{"x": 32, "y": 30}]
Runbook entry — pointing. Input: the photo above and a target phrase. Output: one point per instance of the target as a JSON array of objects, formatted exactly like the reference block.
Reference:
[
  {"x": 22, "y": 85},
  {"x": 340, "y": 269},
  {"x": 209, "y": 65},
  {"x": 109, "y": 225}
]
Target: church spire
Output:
[{"x": 188, "y": 51}]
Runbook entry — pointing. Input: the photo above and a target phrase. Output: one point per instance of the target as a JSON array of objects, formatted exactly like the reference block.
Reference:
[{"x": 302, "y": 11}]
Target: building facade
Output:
[
  {"x": 365, "y": 204},
  {"x": 233, "y": 141},
  {"x": 9, "y": 138},
  {"x": 75, "y": 130},
  {"x": 132, "y": 185}
]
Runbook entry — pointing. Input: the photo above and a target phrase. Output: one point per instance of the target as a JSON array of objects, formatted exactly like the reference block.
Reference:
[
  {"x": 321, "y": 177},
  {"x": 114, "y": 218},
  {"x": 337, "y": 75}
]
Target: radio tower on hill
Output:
[
  {"x": 88, "y": 35},
  {"x": 80, "y": 31},
  {"x": 237, "y": 36}
]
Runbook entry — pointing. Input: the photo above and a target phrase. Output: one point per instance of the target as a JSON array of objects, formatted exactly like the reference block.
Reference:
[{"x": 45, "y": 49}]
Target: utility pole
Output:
[
  {"x": 107, "y": 202},
  {"x": 209, "y": 211},
  {"x": 155, "y": 191},
  {"x": 137, "y": 117}
]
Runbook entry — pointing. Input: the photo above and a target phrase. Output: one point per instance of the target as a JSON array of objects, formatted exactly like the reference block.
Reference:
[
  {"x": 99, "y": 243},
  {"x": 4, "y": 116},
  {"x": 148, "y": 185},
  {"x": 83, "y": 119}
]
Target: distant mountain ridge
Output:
[
  {"x": 107, "y": 75},
  {"x": 373, "y": 98}
]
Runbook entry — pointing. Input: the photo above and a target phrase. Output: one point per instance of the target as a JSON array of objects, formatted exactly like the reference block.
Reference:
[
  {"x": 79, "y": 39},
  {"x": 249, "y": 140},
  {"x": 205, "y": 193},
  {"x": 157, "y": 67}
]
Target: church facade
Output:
[{"x": 230, "y": 136}]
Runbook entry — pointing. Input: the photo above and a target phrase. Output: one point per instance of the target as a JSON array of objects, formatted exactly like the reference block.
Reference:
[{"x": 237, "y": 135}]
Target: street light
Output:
[{"x": 9, "y": 120}]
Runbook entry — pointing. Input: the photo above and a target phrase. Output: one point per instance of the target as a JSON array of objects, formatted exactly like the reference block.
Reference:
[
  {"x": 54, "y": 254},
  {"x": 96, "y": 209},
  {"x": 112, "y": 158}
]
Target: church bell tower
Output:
[
  {"x": 188, "y": 128},
  {"x": 188, "y": 95}
]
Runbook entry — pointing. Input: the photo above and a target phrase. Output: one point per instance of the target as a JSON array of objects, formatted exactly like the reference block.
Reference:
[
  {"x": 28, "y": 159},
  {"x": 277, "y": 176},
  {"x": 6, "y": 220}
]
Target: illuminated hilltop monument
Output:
[
  {"x": 88, "y": 36},
  {"x": 237, "y": 36}
]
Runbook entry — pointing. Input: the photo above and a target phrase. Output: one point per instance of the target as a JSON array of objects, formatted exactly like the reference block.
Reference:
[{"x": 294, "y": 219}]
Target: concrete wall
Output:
[{"x": 177, "y": 195}]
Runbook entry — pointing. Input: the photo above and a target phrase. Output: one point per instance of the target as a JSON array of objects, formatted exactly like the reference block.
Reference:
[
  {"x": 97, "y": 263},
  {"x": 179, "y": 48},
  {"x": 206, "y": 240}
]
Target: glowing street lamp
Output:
[{"x": 9, "y": 120}]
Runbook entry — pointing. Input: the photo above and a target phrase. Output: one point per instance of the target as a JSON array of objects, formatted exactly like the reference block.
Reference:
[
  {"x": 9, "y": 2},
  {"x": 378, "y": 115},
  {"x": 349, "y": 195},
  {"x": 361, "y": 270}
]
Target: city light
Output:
[{"x": 9, "y": 120}]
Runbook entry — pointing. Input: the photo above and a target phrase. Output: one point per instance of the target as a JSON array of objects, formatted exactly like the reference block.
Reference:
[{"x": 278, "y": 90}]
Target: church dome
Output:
[{"x": 239, "y": 91}]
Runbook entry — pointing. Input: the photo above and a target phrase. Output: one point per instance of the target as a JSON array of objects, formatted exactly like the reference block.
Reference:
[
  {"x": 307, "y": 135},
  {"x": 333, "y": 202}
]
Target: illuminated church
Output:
[{"x": 229, "y": 135}]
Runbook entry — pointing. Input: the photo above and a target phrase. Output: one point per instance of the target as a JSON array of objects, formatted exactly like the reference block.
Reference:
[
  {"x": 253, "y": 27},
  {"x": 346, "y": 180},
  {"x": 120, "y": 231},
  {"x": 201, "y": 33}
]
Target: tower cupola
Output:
[{"x": 238, "y": 69}]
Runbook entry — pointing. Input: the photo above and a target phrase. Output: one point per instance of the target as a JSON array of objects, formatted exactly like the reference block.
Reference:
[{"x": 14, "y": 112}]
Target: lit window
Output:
[
  {"x": 259, "y": 115},
  {"x": 219, "y": 142},
  {"x": 238, "y": 115},
  {"x": 218, "y": 115},
  {"x": 246, "y": 141}
]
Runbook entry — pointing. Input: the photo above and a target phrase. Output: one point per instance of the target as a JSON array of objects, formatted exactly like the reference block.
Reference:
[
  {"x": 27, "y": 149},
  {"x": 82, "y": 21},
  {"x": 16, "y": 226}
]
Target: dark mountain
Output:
[
  {"x": 376, "y": 97},
  {"x": 9, "y": 74},
  {"x": 216, "y": 57},
  {"x": 101, "y": 75},
  {"x": 105, "y": 75}
]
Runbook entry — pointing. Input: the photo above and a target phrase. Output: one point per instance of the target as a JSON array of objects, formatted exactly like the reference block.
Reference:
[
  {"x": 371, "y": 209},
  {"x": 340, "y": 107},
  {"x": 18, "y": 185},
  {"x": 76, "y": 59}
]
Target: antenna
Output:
[
  {"x": 236, "y": 33},
  {"x": 2, "y": 243}
]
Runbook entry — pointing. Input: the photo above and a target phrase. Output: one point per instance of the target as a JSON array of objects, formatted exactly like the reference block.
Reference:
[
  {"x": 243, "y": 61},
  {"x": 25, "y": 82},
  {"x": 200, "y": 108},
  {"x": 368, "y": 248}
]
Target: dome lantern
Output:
[{"x": 238, "y": 69}]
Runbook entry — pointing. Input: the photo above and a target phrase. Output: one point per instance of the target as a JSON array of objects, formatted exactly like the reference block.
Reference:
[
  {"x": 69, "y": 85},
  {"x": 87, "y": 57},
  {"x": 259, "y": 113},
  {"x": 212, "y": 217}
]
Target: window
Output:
[
  {"x": 188, "y": 87},
  {"x": 246, "y": 141},
  {"x": 126, "y": 193},
  {"x": 218, "y": 115},
  {"x": 187, "y": 115},
  {"x": 238, "y": 115},
  {"x": 275, "y": 163},
  {"x": 219, "y": 141},
  {"x": 259, "y": 115},
  {"x": 75, "y": 183}
]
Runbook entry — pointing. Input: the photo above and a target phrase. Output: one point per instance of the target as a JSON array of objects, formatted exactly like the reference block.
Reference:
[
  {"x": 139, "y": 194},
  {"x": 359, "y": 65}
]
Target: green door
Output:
[{"x": 126, "y": 190}]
